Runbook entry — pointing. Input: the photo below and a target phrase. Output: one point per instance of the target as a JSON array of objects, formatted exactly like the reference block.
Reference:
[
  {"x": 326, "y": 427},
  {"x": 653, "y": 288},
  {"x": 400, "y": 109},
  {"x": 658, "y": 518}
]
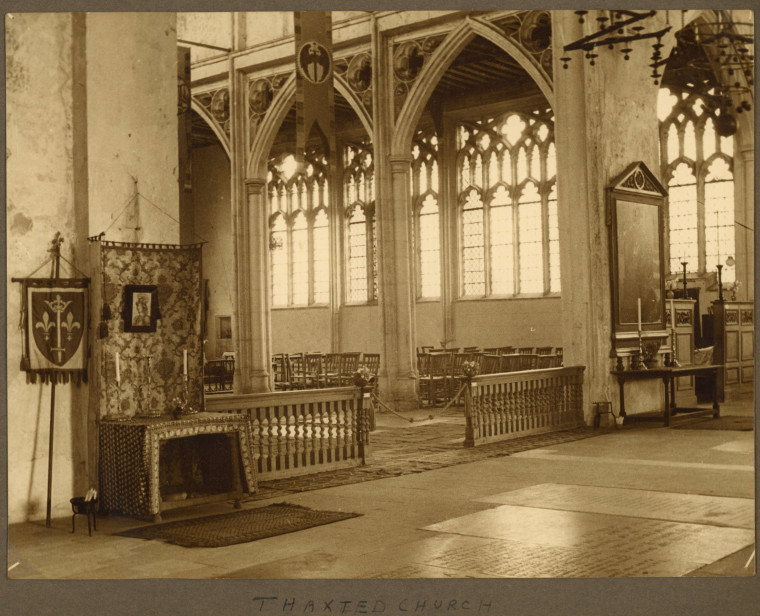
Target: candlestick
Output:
[
  {"x": 685, "y": 286},
  {"x": 672, "y": 314},
  {"x": 184, "y": 364},
  {"x": 638, "y": 305},
  {"x": 720, "y": 283},
  {"x": 118, "y": 368}
]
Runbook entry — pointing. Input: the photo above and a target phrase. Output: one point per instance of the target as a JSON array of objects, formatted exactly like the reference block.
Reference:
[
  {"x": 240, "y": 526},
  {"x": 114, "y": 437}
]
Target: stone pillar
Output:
[
  {"x": 398, "y": 373},
  {"x": 744, "y": 177},
  {"x": 605, "y": 119},
  {"x": 253, "y": 343}
]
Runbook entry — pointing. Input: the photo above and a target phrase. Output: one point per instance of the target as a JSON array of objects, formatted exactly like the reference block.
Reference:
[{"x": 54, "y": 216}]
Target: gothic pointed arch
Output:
[
  {"x": 205, "y": 114},
  {"x": 441, "y": 59},
  {"x": 256, "y": 165}
]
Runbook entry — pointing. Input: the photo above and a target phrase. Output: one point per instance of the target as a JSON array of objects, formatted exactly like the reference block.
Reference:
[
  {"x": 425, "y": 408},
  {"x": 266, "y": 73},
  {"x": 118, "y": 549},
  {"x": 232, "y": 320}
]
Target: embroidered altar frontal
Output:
[
  {"x": 130, "y": 457},
  {"x": 55, "y": 329}
]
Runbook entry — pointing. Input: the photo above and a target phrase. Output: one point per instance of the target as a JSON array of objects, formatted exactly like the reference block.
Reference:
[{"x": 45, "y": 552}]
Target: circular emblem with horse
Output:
[{"x": 314, "y": 62}]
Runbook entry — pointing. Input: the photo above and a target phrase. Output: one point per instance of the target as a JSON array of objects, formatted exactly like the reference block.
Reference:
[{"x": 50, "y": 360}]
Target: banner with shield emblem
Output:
[{"x": 55, "y": 324}]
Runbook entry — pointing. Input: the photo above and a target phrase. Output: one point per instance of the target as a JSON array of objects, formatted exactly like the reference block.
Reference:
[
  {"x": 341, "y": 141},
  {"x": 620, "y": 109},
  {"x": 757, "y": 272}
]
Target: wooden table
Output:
[
  {"x": 129, "y": 461},
  {"x": 668, "y": 376}
]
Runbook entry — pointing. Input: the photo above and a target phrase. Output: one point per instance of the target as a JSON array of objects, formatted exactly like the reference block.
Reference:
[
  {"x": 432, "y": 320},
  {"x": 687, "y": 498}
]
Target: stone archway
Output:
[
  {"x": 256, "y": 165},
  {"x": 440, "y": 61}
]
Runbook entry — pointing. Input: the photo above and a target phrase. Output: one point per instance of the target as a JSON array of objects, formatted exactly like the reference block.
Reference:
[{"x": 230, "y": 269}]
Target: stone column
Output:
[
  {"x": 253, "y": 343},
  {"x": 744, "y": 185},
  {"x": 605, "y": 119},
  {"x": 398, "y": 374}
]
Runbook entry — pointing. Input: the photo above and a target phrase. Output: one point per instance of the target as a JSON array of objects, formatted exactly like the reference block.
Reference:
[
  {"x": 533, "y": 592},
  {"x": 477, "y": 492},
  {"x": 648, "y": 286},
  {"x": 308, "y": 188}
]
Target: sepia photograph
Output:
[{"x": 453, "y": 301}]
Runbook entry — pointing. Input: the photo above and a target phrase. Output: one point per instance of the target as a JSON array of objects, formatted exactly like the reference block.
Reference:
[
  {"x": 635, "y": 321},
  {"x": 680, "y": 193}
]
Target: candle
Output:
[
  {"x": 118, "y": 368},
  {"x": 639, "y": 310},
  {"x": 184, "y": 365}
]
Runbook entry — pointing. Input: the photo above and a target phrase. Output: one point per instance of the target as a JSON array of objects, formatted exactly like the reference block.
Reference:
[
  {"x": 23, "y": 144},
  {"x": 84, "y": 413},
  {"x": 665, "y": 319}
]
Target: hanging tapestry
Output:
[{"x": 55, "y": 329}]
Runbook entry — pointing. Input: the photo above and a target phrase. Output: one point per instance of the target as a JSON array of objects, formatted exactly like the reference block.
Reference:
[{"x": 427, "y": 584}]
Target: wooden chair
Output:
[
  {"x": 492, "y": 351},
  {"x": 525, "y": 350},
  {"x": 314, "y": 372},
  {"x": 280, "y": 366},
  {"x": 372, "y": 361},
  {"x": 507, "y": 350},
  {"x": 433, "y": 385},
  {"x": 528, "y": 361},
  {"x": 297, "y": 371},
  {"x": 544, "y": 350},
  {"x": 332, "y": 369},
  {"x": 490, "y": 364},
  {"x": 456, "y": 371},
  {"x": 349, "y": 362},
  {"x": 510, "y": 362}
]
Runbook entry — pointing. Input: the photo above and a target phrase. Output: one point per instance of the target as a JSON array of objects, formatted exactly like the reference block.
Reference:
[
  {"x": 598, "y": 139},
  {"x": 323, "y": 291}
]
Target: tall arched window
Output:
[
  {"x": 359, "y": 208},
  {"x": 508, "y": 225},
  {"x": 427, "y": 233},
  {"x": 299, "y": 235},
  {"x": 697, "y": 166}
]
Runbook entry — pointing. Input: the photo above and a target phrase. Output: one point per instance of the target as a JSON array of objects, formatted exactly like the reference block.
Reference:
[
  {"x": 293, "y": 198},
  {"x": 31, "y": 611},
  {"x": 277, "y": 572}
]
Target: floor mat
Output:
[
  {"x": 238, "y": 527},
  {"x": 729, "y": 422}
]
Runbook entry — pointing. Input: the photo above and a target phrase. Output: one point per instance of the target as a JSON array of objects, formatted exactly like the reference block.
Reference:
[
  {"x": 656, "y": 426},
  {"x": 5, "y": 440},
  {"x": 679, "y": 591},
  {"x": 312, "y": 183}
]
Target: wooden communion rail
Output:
[
  {"x": 301, "y": 432},
  {"x": 512, "y": 404}
]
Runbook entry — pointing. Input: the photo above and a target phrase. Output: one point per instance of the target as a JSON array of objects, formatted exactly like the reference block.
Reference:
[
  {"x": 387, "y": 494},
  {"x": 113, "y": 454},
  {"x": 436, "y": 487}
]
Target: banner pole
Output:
[{"x": 57, "y": 265}]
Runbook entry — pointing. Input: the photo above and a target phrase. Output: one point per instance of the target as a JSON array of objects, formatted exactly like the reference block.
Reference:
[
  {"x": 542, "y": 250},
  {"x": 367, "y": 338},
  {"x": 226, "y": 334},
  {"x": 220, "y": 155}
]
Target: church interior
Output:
[{"x": 441, "y": 274}]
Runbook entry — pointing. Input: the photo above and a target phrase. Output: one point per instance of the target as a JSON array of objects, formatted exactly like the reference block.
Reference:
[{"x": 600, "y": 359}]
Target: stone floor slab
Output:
[
  {"x": 577, "y": 544},
  {"x": 692, "y": 508}
]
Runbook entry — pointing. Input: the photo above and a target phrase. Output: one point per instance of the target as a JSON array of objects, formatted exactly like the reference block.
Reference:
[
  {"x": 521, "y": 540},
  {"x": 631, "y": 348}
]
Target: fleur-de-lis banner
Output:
[
  {"x": 55, "y": 324},
  {"x": 315, "y": 98}
]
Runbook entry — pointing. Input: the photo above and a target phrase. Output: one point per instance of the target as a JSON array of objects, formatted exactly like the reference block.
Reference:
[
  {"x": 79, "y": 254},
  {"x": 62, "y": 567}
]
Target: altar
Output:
[{"x": 150, "y": 465}]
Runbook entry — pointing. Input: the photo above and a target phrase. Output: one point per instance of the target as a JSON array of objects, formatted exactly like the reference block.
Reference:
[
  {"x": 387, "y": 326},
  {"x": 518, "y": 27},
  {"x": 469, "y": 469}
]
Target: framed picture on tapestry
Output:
[
  {"x": 141, "y": 308},
  {"x": 635, "y": 210}
]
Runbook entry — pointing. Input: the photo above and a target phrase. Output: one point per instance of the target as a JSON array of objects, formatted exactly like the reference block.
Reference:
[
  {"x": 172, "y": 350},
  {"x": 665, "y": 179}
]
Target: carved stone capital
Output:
[
  {"x": 400, "y": 163},
  {"x": 255, "y": 186}
]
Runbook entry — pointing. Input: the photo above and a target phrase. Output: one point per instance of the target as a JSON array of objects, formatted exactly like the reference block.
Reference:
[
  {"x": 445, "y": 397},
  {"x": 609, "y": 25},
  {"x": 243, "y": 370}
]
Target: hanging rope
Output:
[
  {"x": 123, "y": 209},
  {"x": 132, "y": 199}
]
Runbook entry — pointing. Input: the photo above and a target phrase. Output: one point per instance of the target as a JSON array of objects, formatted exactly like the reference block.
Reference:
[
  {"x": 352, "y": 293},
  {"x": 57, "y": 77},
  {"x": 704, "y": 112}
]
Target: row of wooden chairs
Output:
[
  {"x": 505, "y": 350},
  {"x": 441, "y": 372},
  {"x": 316, "y": 370}
]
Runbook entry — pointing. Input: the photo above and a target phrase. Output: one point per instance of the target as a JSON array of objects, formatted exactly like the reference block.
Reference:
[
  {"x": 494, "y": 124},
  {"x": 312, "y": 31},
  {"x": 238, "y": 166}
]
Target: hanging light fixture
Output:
[
  {"x": 714, "y": 59},
  {"x": 618, "y": 27}
]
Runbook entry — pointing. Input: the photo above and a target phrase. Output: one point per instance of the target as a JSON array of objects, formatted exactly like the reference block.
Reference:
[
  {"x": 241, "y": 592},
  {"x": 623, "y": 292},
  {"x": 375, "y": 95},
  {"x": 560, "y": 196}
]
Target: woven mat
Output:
[
  {"x": 728, "y": 422},
  {"x": 238, "y": 527}
]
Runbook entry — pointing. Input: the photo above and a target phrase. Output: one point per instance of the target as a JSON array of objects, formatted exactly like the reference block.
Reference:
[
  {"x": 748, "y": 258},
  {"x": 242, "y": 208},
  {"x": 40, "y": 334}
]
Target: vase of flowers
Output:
[
  {"x": 469, "y": 370},
  {"x": 735, "y": 286},
  {"x": 181, "y": 406},
  {"x": 362, "y": 377}
]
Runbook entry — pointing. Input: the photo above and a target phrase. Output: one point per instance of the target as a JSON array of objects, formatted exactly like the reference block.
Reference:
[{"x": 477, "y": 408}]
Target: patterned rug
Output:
[
  {"x": 239, "y": 527},
  {"x": 728, "y": 422}
]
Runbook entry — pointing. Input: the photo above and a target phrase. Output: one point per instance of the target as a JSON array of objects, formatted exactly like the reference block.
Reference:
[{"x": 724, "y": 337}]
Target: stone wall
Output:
[
  {"x": 40, "y": 202},
  {"x": 91, "y": 107}
]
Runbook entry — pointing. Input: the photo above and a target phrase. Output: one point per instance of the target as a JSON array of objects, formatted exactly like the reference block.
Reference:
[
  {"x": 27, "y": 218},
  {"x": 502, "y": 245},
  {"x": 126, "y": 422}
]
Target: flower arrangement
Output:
[
  {"x": 182, "y": 406},
  {"x": 363, "y": 376},
  {"x": 470, "y": 369},
  {"x": 734, "y": 287}
]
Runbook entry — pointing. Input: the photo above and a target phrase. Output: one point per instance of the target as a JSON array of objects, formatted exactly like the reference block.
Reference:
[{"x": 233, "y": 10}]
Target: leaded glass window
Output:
[
  {"x": 508, "y": 223},
  {"x": 697, "y": 167},
  {"x": 299, "y": 233},
  {"x": 359, "y": 208},
  {"x": 426, "y": 224}
]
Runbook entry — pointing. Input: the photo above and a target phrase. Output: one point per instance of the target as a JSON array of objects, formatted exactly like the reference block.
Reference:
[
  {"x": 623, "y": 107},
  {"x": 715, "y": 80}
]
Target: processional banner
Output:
[
  {"x": 55, "y": 329},
  {"x": 315, "y": 97}
]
